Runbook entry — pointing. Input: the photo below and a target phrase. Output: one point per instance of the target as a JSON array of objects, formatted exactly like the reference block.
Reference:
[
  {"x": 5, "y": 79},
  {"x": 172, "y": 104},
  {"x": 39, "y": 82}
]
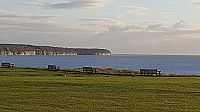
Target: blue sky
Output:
[{"x": 123, "y": 26}]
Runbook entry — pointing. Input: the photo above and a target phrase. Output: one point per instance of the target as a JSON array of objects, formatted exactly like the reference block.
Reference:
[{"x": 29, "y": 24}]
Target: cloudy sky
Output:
[{"x": 123, "y": 26}]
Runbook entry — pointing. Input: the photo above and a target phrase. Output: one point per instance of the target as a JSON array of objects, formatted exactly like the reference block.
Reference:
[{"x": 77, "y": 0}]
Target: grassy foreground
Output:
[{"x": 41, "y": 91}]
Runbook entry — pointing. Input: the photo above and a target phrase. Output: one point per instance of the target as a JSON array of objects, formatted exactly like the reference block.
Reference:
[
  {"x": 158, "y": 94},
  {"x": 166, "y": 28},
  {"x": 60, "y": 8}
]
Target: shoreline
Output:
[{"x": 108, "y": 71}]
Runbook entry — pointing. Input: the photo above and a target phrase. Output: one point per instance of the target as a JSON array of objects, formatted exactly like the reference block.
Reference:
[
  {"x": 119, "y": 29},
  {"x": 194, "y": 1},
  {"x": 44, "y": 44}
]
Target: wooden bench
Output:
[
  {"x": 7, "y": 65},
  {"x": 89, "y": 70},
  {"x": 149, "y": 72},
  {"x": 53, "y": 68}
]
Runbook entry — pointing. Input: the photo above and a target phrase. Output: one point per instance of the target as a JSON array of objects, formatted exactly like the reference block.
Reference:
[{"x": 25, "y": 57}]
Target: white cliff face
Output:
[
  {"x": 104, "y": 54},
  {"x": 57, "y": 53},
  {"x": 29, "y": 53}
]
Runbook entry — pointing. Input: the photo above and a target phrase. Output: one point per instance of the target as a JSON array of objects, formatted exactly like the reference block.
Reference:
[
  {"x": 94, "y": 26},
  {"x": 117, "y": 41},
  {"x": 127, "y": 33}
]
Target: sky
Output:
[{"x": 122, "y": 26}]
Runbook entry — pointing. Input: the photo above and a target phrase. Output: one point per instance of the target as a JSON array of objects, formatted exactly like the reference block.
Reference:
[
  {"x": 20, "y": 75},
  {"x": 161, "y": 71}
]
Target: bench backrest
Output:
[
  {"x": 51, "y": 67},
  {"x": 88, "y": 69},
  {"x": 148, "y": 71},
  {"x": 7, "y": 65}
]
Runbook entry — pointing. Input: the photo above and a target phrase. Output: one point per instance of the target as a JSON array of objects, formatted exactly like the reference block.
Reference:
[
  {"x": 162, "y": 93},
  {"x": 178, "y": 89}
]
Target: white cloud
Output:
[
  {"x": 103, "y": 21},
  {"x": 148, "y": 37},
  {"x": 18, "y": 18},
  {"x": 195, "y": 1},
  {"x": 26, "y": 28},
  {"x": 102, "y": 24},
  {"x": 120, "y": 15},
  {"x": 165, "y": 14},
  {"x": 180, "y": 24},
  {"x": 76, "y": 4},
  {"x": 135, "y": 10}
]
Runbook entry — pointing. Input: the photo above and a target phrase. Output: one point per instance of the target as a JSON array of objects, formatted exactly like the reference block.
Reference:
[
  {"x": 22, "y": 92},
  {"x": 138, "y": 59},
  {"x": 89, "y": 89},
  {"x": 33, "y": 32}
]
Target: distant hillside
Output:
[
  {"x": 21, "y": 49},
  {"x": 81, "y": 51}
]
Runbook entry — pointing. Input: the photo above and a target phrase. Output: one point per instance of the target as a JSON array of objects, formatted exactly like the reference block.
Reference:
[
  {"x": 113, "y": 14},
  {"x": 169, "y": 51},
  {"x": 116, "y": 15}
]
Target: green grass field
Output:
[{"x": 44, "y": 91}]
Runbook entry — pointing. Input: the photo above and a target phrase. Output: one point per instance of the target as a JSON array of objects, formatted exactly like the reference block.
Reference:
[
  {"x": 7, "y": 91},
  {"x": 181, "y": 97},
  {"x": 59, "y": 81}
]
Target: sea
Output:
[{"x": 179, "y": 64}]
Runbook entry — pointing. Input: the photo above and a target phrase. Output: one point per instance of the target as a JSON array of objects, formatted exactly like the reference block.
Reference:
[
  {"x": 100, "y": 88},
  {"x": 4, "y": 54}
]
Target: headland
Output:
[{"x": 22, "y": 49}]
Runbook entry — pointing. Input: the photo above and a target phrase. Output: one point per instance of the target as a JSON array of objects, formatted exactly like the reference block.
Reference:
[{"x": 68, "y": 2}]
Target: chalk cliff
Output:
[{"x": 20, "y": 49}]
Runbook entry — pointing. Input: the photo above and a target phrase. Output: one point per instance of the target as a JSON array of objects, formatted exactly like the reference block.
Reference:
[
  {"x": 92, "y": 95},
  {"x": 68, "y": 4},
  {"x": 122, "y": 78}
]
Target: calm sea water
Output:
[{"x": 165, "y": 63}]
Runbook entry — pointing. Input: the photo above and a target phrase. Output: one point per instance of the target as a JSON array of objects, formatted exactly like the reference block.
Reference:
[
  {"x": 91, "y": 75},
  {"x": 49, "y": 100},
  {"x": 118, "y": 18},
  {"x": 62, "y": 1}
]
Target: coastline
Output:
[{"x": 107, "y": 71}]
